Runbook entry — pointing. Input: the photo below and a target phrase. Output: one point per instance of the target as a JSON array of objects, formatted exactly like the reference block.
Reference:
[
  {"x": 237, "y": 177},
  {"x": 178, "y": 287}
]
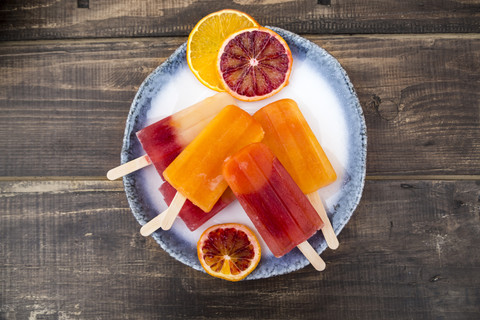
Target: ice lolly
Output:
[
  {"x": 196, "y": 173},
  {"x": 193, "y": 216},
  {"x": 280, "y": 211},
  {"x": 165, "y": 139},
  {"x": 293, "y": 142}
]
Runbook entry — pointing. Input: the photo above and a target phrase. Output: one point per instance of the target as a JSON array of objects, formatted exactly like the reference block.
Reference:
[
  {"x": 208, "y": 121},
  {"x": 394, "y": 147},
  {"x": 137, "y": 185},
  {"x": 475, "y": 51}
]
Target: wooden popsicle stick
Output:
[
  {"x": 128, "y": 167},
  {"x": 152, "y": 225},
  {"x": 312, "y": 256},
  {"x": 165, "y": 219},
  {"x": 173, "y": 210},
  {"x": 327, "y": 229}
]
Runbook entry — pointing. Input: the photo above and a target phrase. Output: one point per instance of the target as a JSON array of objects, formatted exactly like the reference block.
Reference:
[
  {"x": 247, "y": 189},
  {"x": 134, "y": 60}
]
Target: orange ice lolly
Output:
[
  {"x": 293, "y": 142},
  {"x": 165, "y": 139},
  {"x": 277, "y": 207},
  {"x": 196, "y": 173}
]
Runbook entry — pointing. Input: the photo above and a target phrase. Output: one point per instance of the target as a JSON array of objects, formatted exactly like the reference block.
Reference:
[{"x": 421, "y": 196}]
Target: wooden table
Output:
[{"x": 70, "y": 247}]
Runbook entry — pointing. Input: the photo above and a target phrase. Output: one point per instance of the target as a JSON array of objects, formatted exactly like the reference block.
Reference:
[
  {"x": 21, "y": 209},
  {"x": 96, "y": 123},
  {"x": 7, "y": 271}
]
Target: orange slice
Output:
[
  {"x": 254, "y": 64},
  {"x": 228, "y": 251},
  {"x": 207, "y": 37}
]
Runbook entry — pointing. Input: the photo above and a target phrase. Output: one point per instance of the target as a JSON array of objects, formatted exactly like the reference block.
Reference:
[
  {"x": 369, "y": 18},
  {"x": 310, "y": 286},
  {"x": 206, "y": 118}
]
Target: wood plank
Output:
[
  {"x": 71, "y": 249},
  {"x": 47, "y": 19},
  {"x": 69, "y": 101},
  {"x": 421, "y": 99},
  {"x": 64, "y": 103}
]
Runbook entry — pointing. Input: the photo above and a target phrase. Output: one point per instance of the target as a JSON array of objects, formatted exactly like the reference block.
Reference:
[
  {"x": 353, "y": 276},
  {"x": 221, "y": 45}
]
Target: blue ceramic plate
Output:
[{"x": 327, "y": 99}]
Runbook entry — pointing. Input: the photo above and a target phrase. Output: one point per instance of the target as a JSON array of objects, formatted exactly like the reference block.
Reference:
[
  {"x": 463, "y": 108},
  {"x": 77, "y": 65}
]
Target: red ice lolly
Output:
[
  {"x": 192, "y": 215},
  {"x": 277, "y": 207},
  {"x": 196, "y": 173}
]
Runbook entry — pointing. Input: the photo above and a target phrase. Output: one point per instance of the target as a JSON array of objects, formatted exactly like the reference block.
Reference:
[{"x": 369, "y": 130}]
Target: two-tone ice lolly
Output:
[
  {"x": 193, "y": 216},
  {"x": 165, "y": 139},
  {"x": 280, "y": 211},
  {"x": 293, "y": 142},
  {"x": 196, "y": 173}
]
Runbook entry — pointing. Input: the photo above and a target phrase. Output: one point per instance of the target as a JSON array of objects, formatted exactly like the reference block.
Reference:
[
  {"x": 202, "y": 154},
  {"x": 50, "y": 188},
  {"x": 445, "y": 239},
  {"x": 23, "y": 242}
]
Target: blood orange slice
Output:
[
  {"x": 228, "y": 251},
  {"x": 254, "y": 64}
]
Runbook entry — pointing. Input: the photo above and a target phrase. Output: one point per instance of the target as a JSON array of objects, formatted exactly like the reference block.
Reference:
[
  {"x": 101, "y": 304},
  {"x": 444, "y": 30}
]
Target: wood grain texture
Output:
[
  {"x": 70, "y": 100},
  {"x": 53, "y": 19},
  {"x": 64, "y": 103},
  {"x": 71, "y": 250},
  {"x": 419, "y": 103}
]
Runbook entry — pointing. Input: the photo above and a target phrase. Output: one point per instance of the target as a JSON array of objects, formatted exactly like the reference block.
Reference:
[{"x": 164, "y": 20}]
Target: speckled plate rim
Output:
[{"x": 354, "y": 181}]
